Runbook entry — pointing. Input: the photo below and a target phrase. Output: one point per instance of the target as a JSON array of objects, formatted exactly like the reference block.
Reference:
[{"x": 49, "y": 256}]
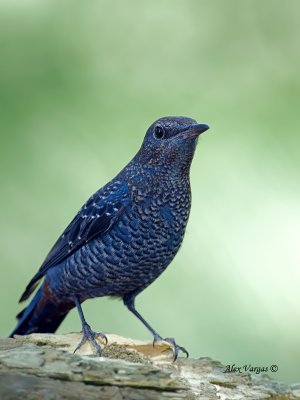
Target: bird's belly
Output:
[
  {"x": 140, "y": 250},
  {"x": 129, "y": 257}
]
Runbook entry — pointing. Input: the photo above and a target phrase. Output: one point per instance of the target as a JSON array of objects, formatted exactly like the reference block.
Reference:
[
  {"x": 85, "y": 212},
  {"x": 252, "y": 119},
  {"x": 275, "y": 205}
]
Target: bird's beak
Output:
[{"x": 195, "y": 130}]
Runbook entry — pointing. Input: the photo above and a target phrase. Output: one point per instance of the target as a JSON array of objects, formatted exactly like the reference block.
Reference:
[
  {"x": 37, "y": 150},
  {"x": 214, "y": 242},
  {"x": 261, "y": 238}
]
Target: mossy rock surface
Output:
[{"x": 43, "y": 366}]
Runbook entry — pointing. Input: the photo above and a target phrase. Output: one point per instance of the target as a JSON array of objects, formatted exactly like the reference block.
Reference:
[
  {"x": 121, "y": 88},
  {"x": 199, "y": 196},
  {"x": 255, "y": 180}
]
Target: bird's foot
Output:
[
  {"x": 89, "y": 334},
  {"x": 173, "y": 344}
]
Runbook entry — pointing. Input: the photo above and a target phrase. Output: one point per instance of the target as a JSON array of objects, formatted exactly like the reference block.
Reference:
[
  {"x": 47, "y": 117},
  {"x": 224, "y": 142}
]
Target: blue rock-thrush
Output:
[{"x": 123, "y": 237}]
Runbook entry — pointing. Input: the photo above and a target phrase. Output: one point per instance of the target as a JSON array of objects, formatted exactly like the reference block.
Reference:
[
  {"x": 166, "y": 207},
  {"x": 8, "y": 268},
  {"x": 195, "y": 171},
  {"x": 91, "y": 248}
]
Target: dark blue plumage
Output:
[{"x": 124, "y": 236}]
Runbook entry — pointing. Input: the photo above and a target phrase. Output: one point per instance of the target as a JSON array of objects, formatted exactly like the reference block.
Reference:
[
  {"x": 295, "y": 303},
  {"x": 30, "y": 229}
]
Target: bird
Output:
[{"x": 122, "y": 238}]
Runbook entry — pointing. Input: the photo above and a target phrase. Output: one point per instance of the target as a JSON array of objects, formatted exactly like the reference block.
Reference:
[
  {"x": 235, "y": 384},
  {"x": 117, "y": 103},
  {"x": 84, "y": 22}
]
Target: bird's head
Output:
[{"x": 171, "y": 142}]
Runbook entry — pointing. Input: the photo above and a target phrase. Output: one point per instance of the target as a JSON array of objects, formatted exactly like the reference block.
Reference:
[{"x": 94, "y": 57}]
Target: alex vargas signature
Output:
[{"x": 250, "y": 368}]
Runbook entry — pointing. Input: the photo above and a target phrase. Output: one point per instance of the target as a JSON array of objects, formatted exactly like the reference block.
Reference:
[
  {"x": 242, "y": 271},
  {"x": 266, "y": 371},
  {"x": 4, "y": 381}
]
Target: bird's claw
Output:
[
  {"x": 89, "y": 334},
  {"x": 173, "y": 344}
]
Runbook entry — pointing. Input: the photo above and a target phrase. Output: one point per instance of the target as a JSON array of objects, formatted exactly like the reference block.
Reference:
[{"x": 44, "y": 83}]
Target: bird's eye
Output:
[{"x": 159, "y": 132}]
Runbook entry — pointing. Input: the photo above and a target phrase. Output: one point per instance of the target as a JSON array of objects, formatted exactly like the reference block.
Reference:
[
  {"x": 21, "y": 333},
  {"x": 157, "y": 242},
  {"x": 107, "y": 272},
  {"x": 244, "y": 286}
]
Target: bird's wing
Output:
[{"x": 95, "y": 218}]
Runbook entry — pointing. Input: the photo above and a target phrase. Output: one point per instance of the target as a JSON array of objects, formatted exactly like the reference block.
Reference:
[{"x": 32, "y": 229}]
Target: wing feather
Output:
[{"x": 95, "y": 218}]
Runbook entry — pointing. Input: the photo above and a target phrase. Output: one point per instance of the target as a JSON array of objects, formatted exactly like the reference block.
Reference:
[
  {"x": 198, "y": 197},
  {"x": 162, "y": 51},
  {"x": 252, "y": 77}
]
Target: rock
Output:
[{"x": 43, "y": 366}]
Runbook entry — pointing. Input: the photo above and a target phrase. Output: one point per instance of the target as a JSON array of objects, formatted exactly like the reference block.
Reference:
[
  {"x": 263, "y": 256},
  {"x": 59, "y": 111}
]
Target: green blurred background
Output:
[{"x": 79, "y": 84}]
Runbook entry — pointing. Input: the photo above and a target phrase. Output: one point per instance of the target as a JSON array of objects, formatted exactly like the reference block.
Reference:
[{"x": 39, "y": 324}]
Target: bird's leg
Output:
[
  {"x": 129, "y": 303},
  {"x": 88, "y": 333}
]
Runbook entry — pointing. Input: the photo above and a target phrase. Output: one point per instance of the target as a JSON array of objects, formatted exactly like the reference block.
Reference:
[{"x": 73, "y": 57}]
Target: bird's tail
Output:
[{"x": 41, "y": 315}]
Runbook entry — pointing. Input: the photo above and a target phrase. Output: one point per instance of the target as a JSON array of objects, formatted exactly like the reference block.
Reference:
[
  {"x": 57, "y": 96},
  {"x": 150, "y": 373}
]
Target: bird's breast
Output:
[{"x": 162, "y": 213}]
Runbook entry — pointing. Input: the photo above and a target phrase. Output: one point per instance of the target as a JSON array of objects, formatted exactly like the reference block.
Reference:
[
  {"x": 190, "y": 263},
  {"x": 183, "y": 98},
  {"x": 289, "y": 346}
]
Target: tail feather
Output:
[{"x": 41, "y": 315}]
